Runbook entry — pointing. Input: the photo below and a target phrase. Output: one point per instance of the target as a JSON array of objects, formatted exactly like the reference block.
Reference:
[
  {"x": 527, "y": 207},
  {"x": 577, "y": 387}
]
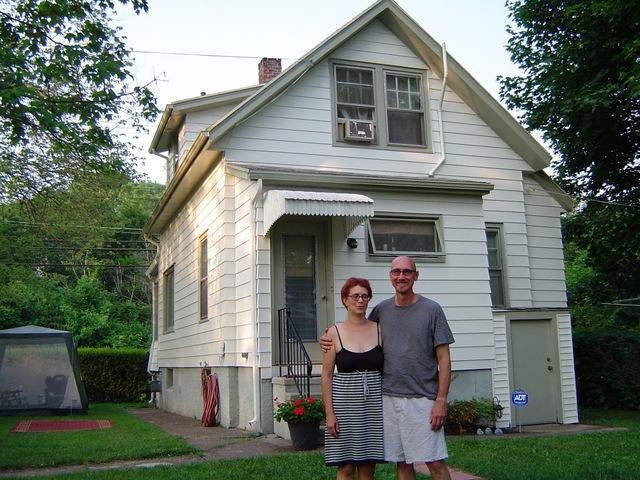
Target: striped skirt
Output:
[{"x": 357, "y": 403}]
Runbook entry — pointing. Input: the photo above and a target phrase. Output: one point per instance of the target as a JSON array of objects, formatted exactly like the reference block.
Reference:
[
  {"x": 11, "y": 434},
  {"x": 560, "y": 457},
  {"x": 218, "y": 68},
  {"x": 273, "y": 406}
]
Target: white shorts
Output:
[{"x": 407, "y": 431}]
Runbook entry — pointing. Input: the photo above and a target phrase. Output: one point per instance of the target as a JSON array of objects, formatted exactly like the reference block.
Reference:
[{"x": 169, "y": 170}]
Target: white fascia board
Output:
[{"x": 350, "y": 181}]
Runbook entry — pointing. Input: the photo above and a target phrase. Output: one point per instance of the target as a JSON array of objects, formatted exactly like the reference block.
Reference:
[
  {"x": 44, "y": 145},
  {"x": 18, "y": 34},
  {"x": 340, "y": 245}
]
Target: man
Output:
[{"x": 416, "y": 375}]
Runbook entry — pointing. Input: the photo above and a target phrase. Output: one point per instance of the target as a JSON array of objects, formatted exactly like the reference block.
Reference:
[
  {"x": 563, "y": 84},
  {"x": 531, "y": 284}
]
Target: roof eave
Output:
[
  {"x": 553, "y": 189},
  {"x": 157, "y": 136},
  {"x": 181, "y": 107},
  {"x": 352, "y": 181},
  {"x": 187, "y": 177}
]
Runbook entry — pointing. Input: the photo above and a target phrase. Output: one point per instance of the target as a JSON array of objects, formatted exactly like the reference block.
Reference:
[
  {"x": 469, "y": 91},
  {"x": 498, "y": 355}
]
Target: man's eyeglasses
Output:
[
  {"x": 359, "y": 296},
  {"x": 404, "y": 271}
]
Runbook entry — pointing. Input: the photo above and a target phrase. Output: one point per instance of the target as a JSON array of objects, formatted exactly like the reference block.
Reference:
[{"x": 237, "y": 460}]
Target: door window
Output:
[{"x": 300, "y": 283}]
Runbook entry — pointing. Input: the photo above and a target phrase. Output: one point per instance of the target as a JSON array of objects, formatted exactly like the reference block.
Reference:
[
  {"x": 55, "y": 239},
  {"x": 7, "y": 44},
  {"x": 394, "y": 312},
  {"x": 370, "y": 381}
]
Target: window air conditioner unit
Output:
[{"x": 359, "y": 130}]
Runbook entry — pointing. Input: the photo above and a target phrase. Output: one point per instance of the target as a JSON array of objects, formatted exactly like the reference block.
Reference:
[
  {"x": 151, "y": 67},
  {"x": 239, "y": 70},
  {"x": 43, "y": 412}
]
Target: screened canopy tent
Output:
[{"x": 39, "y": 372}]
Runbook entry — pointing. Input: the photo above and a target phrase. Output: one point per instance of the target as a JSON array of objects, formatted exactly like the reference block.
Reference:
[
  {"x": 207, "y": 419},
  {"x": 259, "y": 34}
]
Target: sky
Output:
[{"x": 474, "y": 32}]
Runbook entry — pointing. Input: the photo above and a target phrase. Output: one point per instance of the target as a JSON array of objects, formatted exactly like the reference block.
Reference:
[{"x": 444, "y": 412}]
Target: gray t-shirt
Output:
[{"x": 410, "y": 336}]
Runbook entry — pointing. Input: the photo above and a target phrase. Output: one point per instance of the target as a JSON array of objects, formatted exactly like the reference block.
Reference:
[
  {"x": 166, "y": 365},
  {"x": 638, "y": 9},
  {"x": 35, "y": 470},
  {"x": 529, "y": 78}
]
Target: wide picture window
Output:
[{"x": 396, "y": 236}]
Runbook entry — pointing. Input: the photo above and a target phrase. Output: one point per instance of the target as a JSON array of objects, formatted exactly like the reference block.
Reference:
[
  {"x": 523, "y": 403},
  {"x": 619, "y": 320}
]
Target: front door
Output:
[
  {"x": 534, "y": 370},
  {"x": 300, "y": 279}
]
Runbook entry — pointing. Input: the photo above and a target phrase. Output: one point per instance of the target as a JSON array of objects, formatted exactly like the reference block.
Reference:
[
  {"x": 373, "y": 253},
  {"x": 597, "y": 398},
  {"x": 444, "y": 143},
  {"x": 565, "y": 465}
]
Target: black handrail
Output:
[{"x": 291, "y": 352}]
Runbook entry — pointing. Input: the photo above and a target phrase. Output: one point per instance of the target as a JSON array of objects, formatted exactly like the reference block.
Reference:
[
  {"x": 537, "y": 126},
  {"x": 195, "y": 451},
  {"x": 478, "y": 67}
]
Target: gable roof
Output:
[
  {"x": 175, "y": 112},
  {"x": 427, "y": 49},
  {"x": 203, "y": 154}
]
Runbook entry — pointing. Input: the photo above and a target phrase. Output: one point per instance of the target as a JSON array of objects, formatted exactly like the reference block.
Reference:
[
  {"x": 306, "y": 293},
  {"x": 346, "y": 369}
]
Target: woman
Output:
[{"x": 353, "y": 397}]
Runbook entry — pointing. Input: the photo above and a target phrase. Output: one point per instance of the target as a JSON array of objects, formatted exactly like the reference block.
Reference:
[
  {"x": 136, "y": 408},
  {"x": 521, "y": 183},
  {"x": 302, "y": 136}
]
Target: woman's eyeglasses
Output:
[{"x": 359, "y": 296}]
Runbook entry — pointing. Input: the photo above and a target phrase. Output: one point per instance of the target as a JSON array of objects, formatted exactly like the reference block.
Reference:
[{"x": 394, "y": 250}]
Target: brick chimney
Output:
[{"x": 269, "y": 68}]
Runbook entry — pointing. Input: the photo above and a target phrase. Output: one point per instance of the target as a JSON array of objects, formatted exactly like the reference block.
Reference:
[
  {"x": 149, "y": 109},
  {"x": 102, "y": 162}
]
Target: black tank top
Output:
[{"x": 348, "y": 361}]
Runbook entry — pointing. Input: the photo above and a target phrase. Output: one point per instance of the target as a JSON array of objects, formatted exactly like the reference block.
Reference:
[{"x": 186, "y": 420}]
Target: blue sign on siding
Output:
[{"x": 520, "y": 398}]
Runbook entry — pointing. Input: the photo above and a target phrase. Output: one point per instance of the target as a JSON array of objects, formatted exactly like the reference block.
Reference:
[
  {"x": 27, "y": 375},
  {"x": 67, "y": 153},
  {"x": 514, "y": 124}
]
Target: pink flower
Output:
[
  {"x": 310, "y": 400},
  {"x": 298, "y": 411},
  {"x": 298, "y": 402}
]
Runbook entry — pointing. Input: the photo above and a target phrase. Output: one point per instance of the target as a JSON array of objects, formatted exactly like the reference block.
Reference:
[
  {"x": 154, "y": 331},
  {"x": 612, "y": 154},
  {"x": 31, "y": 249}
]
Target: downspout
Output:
[
  {"x": 255, "y": 423},
  {"x": 166, "y": 159},
  {"x": 444, "y": 87}
]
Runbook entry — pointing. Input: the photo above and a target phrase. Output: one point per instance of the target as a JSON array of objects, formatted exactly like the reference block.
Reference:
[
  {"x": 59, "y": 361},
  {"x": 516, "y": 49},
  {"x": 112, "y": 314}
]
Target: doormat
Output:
[{"x": 29, "y": 426}]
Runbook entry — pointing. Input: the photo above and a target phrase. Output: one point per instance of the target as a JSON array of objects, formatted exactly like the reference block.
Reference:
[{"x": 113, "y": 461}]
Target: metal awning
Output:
[{"x": 353, "y": 207}]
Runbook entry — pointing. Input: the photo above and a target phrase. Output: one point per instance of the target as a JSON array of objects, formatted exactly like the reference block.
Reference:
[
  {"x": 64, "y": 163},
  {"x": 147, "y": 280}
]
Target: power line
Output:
[
  {"x": 82, "y": 239},
  {"x": 116, "y": 265},
  {"x": 581, "y": 199},
  {"x": 42, "y": 224},
  {"x": 116, "y": 249},
  {"x": 209, "y": 55}
]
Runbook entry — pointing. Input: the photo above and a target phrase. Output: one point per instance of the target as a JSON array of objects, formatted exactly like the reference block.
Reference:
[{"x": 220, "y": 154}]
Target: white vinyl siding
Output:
[
  {"x": 544, "y": 239},
  {"x": 567, "y": 370},
  {"x": 196, "y": 122},
  {"x": 460, "y": 284},
  {"x": 210, "y": 208},
  {"x": 500, "y": 373}
]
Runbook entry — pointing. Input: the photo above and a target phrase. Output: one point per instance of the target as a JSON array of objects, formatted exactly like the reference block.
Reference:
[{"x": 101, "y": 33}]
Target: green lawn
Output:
[
  {"x": 589, "y": 456},
  {"x": 606, "y": 456},
  {"x": 130, "y": 438}
]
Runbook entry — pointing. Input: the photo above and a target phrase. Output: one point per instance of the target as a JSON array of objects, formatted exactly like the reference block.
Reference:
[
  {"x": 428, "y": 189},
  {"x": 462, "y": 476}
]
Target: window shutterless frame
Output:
[
  {"x": 155, "y": 294},
  {"x": 355, "y": 97},
  {"x": 203, "y": 277},
  {"x": 495, "y": 252},
  {"x": 419, "y": 237},
  {"x": 404, "y": 104},
  {"x": 380, "y": 112},
  {"x": 168, "y": 299}
]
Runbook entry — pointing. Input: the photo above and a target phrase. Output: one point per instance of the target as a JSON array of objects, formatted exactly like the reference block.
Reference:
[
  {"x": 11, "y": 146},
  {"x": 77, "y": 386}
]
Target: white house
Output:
[{"x": 375, "y": 143}]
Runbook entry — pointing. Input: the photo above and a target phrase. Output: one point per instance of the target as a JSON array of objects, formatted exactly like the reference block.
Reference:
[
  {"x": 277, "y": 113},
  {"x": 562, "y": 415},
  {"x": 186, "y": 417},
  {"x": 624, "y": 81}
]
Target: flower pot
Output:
[{"x": 304, "y": 436}]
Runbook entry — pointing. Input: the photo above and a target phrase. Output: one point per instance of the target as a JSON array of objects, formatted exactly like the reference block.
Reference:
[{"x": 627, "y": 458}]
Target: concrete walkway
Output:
[{"x": 218, "y": 443}]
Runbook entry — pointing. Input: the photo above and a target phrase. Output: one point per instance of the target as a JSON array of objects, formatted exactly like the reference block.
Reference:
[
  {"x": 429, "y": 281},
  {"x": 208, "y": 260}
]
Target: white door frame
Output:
[
  {"x": 320, "y": 229},
  {"x": 554, "y": 393}
]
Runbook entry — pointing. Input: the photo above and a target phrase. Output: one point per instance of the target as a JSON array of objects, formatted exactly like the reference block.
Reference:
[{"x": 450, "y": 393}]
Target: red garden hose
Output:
[{"x": 210, "y": 397}]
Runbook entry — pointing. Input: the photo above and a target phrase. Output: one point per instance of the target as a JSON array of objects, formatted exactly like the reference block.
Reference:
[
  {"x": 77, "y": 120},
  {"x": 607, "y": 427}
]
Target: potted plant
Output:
[{"x": 303, "y": 416}]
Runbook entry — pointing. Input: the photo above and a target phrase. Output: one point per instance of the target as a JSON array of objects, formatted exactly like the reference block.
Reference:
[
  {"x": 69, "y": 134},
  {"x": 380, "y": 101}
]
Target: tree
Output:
[
  {"x": 80, "y": 269},
  {"x": 65, "y": 84},
  {"x": 581, "y": 88}
]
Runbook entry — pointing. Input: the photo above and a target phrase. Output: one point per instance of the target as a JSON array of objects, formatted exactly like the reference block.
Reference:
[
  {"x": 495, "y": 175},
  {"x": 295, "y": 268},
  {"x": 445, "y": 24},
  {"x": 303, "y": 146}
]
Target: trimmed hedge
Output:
[
  {"x": 112, "y": 375},
  {"x": 608, "y": 369}
]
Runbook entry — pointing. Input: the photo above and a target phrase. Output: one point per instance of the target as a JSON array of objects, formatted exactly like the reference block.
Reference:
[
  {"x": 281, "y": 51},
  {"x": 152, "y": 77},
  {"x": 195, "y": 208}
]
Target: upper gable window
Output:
[
  {"x": 355, "y": 103},
  {"x": 375, "y": 105},
  {"x": 405, "y": 115},
  {"x": 355, "y": 93}
]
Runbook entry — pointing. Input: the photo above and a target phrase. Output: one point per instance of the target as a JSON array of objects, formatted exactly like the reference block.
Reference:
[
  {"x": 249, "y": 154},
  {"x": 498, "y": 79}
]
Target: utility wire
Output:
[
  {"x": 116, "y": 249},
  {"x": 116, "y": 265},
  {"x": 581, "y": 199},
  {"x": 209, "y": 55},
  {"x": 41, "y": 224}
]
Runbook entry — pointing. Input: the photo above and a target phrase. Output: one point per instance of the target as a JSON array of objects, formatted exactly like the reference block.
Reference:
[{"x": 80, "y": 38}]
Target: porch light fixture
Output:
[{"x": 352, "y": 242}]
